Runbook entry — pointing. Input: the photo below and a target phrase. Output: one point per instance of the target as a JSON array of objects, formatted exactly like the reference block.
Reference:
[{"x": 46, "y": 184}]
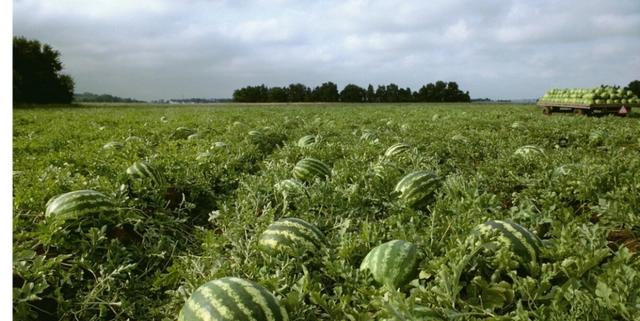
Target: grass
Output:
[{"x": 581, "y": 196}]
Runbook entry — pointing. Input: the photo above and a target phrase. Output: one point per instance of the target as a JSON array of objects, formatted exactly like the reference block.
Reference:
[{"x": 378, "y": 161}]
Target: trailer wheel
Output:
[{"x": 547, "y": 110}]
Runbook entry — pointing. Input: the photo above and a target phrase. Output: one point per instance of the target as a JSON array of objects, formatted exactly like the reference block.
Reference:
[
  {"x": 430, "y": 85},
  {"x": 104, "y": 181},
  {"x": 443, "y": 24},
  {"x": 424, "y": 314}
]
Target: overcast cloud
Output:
[{"x": 198, "y": 48}]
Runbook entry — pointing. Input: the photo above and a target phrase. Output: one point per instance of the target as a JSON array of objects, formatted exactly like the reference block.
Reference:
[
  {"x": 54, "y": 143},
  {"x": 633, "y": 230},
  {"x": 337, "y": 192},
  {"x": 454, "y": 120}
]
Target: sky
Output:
[{"x": 498, "y": 49}]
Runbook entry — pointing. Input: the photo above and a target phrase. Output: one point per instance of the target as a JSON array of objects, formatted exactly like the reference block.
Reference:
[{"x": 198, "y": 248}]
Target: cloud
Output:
[{"x": 207, "y": 48}]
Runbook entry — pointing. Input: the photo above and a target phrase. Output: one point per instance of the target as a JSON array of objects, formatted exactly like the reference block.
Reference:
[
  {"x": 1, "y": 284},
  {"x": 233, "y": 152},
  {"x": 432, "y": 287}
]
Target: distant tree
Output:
[
  {"x": 278, "y": 95},
  {"x": 426, "y": 93},
  {"x": 328, "y": 92},
  {"x": 381, "y": 93},
  {"x": 106, "y": 98},
  {"x": 251, "y": 94},
  {"x": 299, "y": 93},
  {"x": 353, "y": 94},
  {"x": 405, "y": 95},
  {"x": 634, "y": 86},
  {"x": 371, "y": 94},
  {"x": 392, "y": 93},
  {"x": 37, "y": 76}
]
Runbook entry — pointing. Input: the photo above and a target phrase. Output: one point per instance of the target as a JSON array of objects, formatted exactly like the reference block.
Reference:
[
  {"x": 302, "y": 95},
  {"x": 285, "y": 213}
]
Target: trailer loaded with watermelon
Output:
[{"x": 587, "y": 101}]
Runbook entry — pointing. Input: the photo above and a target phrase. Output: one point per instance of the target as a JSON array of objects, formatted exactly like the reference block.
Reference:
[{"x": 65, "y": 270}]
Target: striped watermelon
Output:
[
  {"x": 529, "y": 150},
  {"x": 290, "y": 187},
  {"x": 182, "y": 132},
  {"x": 393, "y": 264},
  {"x": 78, "y": 203},
  {"x": 142, "y": 169},
  {"x": 417, "y": 188},
  {"x": 113, "y": 145},
  {"x": 307, "y": 141},
  {"x": 133, "y": 139},
  {"x": 308, "y": 169},
  {"x": 219, "y": 145},
  {"x": 368, "y": 135},
  {"x": 459, "y": 138},
  {"x": 396, "y": 149},
  {"x": 495, "y": 234},
  {"x": 291, "y": 235},
  {"x": 255, "y": 134},
  {"x": 518, "y": 125},
  {"x": 231, "y": 299},
  {"x": 203, "y": 155}
]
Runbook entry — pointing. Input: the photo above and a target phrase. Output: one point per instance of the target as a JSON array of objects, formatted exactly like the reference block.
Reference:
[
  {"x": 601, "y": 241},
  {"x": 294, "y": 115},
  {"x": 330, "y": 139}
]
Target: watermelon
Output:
[
  {"x": 203, "y": 155},
  {"x": 133, "y": 139},
  {"x": 417, "y": 188},
  {"x": 291, "y": 235},
  {"x": 142, "y": 169},
  {"x": 76, "y": 204},
  {"x": 518, "y": 125},
  {"x": 597, "y": 137},
  {"x": 307, "y": 141},
  {"x": 255, "y": 134},
  {"x": 194, "y": 136},
  {"x": 459, "y": 138},
  {"x": 219, "y": 145},
  {"x": 393, "y": 264},
  {"x": 529, "y": 150},
  {"x": 290, "y": 187},
  {"x": 308, "y": 169},
  {"x": 494, "y": 234},
  {"x": 367, "y": 135},
  {"x": 113, "y": 145},
  {"x": 230, "y": 299},
  {"x": 182, "y": 133},
  {"x": 396, "y": 149}
]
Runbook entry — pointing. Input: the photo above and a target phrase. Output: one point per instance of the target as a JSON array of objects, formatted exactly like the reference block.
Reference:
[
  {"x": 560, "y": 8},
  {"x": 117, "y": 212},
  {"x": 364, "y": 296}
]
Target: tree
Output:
[
  {"x": 251, "y": 94},
  {"x": 405, "y": 95},
  {"x": 634, "y": 86},
  {"x": 392, "y": 93},
  {"x": 37, "y": 76},
  {"x": 353, "y": 94},
  {"x": 278, "y": 95},
  {"x": 381, "y": 93},
  {"x": 328, "y": 92},
  {"x": 299, "y": 92},
  {"x": 371, "y": 94}
]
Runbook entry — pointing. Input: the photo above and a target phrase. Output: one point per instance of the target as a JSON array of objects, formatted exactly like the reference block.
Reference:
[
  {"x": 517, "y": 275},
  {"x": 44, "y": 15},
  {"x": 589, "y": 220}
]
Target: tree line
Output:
[
  {"x": 439, "y": 91},
  {"x": 103, "y": 98}
]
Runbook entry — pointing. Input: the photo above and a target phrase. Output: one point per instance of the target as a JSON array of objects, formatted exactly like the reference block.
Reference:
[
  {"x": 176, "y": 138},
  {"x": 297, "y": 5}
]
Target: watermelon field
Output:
[{"x": 325, "y": 212}]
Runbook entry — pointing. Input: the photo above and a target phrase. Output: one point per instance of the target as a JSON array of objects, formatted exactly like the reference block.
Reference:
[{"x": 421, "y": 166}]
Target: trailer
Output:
[{"x": 549, "y": 108}]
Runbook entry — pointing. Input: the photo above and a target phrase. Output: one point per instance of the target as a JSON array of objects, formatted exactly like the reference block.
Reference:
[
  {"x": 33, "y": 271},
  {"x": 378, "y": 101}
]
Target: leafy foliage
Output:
[{"x": 580, "y": 197}]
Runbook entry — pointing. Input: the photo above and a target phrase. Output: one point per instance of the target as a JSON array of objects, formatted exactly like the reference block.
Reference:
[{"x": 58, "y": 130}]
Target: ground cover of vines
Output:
[{"x": 222, "y": 175}]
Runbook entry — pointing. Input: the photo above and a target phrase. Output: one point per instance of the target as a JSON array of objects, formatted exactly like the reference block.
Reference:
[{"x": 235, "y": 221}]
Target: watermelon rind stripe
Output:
[
  {"x": 525, "y": 237},
  {"x": 516, "y": 243},
  {"x": 396, "y": 149},
  {"x": 232, "y": 298},
  {"x": 206, "y": 306},
  {"x": 264, "y": 299},
  {"x": 399, "y": 268},
  {"x": 302, "y": 225},
  {"x": 392, "y": 263},
  {"x": 237, "y": 296},
  {"x": 78, "y": 203},
  {"x": 291, "y": 234}
]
